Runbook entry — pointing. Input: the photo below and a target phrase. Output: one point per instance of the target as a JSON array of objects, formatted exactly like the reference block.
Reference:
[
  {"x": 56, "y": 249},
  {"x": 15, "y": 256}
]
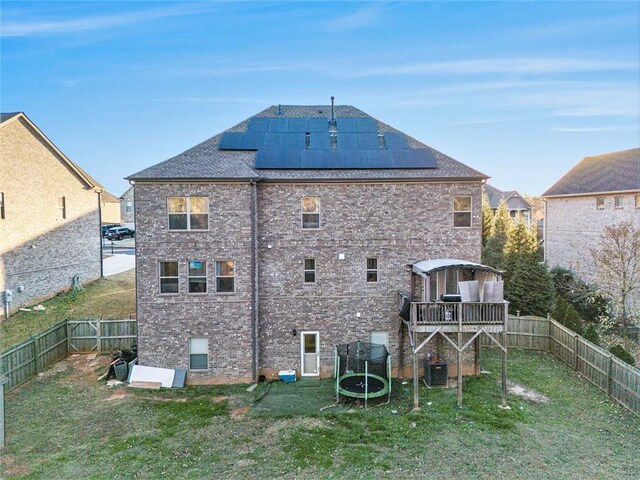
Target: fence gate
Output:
[{"x": 84, "y": 336}]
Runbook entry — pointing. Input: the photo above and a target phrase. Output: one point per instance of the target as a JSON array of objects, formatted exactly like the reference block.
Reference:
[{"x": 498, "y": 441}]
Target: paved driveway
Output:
[{"x": 123, "y": 260}]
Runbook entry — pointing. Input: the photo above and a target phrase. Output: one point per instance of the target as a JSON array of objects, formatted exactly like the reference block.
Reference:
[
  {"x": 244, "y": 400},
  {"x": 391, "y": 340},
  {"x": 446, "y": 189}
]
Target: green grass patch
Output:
[
  {"x": 67, "y": 425},
  {"x": 111, "y": 297}
]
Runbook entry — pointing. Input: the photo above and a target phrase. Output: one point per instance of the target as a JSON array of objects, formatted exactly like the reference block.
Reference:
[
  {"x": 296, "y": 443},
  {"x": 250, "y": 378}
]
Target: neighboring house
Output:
[
  {"x": 599, "y": 191},
  {"x": 126, "y": 209},
  {"x": 519, "y": 208},
  {"x": 109, "y": 209},
  {"x": 263, "y": 247},
  {"x": 49, "y": 216}
]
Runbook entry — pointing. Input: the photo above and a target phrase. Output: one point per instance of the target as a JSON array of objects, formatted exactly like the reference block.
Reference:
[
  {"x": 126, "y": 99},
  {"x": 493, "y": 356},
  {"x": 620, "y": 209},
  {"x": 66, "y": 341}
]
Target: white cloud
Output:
[
  {"x": 358, "y": 19},
  {"x": 104, "y": 22},
  {"x": 604, "y": 128}
]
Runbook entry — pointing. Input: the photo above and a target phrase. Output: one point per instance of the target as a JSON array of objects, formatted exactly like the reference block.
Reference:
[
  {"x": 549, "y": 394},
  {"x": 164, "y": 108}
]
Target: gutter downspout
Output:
[
  {"x": 255, "y": 294},
  {"x": 100, "y": 230},
  {"x": 544, "y": 231}
]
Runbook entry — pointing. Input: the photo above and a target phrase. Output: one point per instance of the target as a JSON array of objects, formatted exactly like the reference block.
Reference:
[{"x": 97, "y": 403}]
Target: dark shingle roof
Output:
[
  {"x": 611, "y": 172},
  {"x": 207, "y": 161},
  {"x": 6, "y": 116},
  {"x": 496, "y": 196}
]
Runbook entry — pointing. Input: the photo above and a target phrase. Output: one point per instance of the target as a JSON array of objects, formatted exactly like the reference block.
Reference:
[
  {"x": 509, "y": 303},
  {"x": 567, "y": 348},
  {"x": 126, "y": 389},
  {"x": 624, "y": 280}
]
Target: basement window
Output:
[
  {"x": 617, "y": 201},
  {"x": 169, "y": 277},
  {"x": 310, "y": 212},
  {"x": 462, "y": 211},
  {"x": 600, "y": 203},
  {"x": 197, "y": 276},
  {"x": 198, "y": 354},
  {"x": 188, "y": 213},
  {"x": 2, "y": 205},
  {"x": 225, "y": 276},
  {"x": 637, "y": 203}
]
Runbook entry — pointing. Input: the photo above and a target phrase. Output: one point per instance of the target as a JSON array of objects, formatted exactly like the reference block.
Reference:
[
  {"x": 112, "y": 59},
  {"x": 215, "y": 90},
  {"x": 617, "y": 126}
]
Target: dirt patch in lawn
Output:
[
  {"x": 526, "y": 394},
  {"x": 119, "y": 395},
  {"x": 219, "y": 398},
  {"x": 239, "y": 413},
  {"x": 11, "y": 468}
]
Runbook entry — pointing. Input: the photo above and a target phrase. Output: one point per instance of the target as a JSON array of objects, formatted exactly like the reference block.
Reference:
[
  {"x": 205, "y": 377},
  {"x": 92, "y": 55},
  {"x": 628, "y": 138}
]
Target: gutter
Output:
[{"x": 255, "y": 293}]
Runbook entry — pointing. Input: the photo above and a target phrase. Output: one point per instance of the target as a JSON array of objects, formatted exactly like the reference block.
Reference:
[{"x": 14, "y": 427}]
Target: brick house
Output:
[
  {"x": 49, "y": 216},
  {"x": 518, "y": 206},
  {"x": 599, "y": 191},
  {"x": 264, "y": 246},
  {"x": 127, "y": 208}
]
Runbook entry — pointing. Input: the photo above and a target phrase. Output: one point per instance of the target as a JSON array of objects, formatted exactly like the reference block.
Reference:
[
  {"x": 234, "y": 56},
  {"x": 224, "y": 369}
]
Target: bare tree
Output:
[{"x": 617, "y": 262}]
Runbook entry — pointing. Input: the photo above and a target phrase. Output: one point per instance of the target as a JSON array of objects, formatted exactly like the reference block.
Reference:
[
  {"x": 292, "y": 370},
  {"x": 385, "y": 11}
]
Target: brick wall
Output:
[
  {"x": 574, "y": 225},
  {"x": 396, "y": 223},
  {"x": 39, "y": 249}
]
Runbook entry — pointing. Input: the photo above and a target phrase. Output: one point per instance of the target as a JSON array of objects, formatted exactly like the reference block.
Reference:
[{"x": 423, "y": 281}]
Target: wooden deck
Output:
[{"x": 457, "y": 316}]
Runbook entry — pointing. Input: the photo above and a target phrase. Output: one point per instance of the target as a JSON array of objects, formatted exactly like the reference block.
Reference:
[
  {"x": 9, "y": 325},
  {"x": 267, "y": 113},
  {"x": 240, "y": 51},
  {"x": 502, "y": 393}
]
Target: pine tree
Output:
[
  {"x": 528, "y": 285},
  {"x": 487, "y": 218},
  {"x": 565, "y": 314},
  {"x": 493, "y": 251},
  {"x": 520, "y": 241}
]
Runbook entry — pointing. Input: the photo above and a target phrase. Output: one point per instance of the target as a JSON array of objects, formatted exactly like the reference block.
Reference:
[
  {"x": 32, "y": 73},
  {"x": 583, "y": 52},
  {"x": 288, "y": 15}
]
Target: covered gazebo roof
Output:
[{"x": 427, "y": 267}]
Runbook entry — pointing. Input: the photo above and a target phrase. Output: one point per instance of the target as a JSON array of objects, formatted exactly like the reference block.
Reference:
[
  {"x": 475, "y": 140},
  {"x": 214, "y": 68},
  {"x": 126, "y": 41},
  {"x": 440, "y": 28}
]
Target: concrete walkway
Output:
[{"x": 118, "y": 263}]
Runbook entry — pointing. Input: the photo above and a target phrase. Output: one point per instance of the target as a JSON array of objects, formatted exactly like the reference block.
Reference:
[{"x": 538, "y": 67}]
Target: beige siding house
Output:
[
  {"x": 127, "y": 209},
  {"x": 109, "y": 209},
  {"x": 49, "y": 216},
  {"x": 599, "y": 191}
]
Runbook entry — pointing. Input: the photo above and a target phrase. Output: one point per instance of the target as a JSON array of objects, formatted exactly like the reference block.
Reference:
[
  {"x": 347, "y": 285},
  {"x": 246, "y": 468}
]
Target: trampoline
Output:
[{"x": 362, "y": 371}]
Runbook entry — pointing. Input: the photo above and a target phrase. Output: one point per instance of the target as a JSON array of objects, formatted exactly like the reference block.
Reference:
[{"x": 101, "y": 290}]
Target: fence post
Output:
[
  {"x": 575, "y": 350},
  {"x": 98, "y": 331},
  {"x": 68, "y": 330},
  {"x": 609, "y": 372},
  {"x": 35, "y": 354}
]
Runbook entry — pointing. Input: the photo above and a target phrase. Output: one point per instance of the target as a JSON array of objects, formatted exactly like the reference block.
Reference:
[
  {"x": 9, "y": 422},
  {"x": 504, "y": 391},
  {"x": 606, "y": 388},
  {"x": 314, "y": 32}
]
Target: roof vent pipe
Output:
[
  {"x": 279, "y": 109},
  {"x": 332, "y": 123}
]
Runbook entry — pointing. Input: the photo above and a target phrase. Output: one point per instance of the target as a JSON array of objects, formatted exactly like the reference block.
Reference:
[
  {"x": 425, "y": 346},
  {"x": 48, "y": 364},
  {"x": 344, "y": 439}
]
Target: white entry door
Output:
[{"x": 310, "y": 352}]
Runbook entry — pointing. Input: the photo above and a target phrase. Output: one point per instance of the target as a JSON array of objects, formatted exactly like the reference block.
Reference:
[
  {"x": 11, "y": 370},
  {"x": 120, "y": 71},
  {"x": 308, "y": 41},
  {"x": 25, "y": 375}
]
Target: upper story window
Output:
[
  {"x": 310, "y": 212},
  {"x": 372, "y": 269},
  {"x": 2, "y": 205},
  {"x": 169, "y": 277},
  {"x": 197, "y": 276},
  {"x": 309, "y": 270},
  {"x": 617, "y": 201},
  {"x": 600, "y": 203},
  {"x": 129, "y": 207},
  {"x": 462, "y": 211},
  {"x": 225, "y": 276},
  {"x": 188, "y": 213},
  {"x": 62, "y": 207}
]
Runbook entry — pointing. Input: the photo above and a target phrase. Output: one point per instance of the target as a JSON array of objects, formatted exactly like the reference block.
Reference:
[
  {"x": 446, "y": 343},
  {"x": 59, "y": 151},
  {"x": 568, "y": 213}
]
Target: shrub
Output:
[
  {"x": 619, "y": 351},
  {"x": 591, "y": 334},
  {"x": 567, "y": 315},
  {"x": 528, "y": 285}
]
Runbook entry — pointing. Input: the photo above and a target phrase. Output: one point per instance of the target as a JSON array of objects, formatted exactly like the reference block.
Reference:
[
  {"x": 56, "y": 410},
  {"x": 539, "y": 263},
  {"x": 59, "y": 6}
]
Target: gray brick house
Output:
[
  {"x": 49, "y": 216},
  {"x": 518, "y": 206},
  {"x": 264, "y": 246},
  {"x": 127, "y": 208},
  {"x": 599, "y": 191}
]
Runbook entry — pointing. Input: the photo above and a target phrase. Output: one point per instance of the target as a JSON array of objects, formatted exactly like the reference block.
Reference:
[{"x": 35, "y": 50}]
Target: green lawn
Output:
[
  {"x": 66, "y": 425},
  {"x": 111, "y": 297}
]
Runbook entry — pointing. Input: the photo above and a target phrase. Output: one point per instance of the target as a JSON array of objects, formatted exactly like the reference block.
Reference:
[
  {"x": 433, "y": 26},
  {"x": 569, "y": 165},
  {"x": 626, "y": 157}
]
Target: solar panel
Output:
[
  {"x": 395, "y": 141},
  {"x": 368, "y": 141},
  {"x": 346, "y": 124},
  {"x": 347, "y": 141},
  {"x": 278, "y": 124},
  {"x": 356, "y": 159},
  {"x": 377, "y": 158},
  {"x": 366, "y": 125},
  {"x": 298, "y": 125},
  {"x": 258, "y": 124},
  {"x": 319, "y": 141},
  {"x": 241, "y": 141},
  {"x": 318, "y": 124}
]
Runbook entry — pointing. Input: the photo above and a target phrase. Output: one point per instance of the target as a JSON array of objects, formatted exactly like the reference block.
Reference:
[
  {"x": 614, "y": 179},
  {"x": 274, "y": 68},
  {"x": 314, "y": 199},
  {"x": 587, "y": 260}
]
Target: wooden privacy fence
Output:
[
  {"x": 25, "y": 360},
  {"x": 617, "y": 379}
]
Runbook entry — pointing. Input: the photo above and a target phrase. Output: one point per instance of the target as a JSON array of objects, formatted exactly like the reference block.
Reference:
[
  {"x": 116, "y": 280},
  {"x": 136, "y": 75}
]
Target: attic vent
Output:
[
  {"x": 381, "y": 142},
  {"x": 307, "y": 141}
]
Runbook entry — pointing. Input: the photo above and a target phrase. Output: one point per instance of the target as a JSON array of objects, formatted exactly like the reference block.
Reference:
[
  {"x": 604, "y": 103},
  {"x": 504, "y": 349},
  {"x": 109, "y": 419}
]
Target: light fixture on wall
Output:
[{"x": 294, "y": 332}]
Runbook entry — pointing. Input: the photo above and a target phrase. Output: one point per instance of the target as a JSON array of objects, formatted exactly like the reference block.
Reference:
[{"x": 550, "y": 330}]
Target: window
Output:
[
  {"x": 637, "y": 203},
  {"x": 188, "y": 213},
  {"x": 309, "y": 270},
  {"x": 129, "y": 207},
  {"x": 62, "y": 207},
  {"x": 372, "y": 269},
  {"x": 310, "y": 212},
  {"x": 225, "y": 276},
  {"x": 462, "y": 211},
  {"x": 169, "y": 277},
  {"x": 2, "y": 205},
  {"x": 197, "y": 276},
  {"x": 600, "y": 203},
  {"x": 198, "y": 354},
  {"x": 617, "y": 202}
]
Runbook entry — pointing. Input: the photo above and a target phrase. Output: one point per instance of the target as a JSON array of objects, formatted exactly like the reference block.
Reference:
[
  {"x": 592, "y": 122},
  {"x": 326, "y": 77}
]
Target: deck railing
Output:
[{"x": 451, "y": 313}]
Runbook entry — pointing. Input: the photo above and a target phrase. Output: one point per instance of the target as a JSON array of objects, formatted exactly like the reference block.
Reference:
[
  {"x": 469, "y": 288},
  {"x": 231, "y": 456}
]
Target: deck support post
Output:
[
  {"x": 416, "y": 399},
  {"x": 459, "y": 356},
  {"x": 504, "y": 369}
]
